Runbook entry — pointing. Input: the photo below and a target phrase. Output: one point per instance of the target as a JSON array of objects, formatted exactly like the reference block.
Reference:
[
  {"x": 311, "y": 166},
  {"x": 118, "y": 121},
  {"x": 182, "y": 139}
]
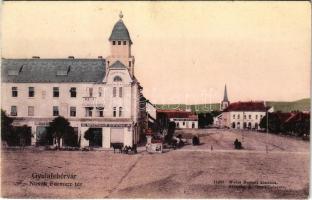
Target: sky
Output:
[{"x": 185, "y": 52}]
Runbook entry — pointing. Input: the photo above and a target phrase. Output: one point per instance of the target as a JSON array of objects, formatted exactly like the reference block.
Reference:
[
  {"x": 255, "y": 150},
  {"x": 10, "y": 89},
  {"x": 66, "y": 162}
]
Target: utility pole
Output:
[{"x": 267, "y": 128}]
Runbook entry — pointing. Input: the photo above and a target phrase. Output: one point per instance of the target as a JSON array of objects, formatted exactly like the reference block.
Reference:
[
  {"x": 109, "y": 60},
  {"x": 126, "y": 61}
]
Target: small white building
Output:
[
  {"x": 190, "y": 122},
  {"x": 98, "y": 94},
  {"x": 182, "y": 119}
]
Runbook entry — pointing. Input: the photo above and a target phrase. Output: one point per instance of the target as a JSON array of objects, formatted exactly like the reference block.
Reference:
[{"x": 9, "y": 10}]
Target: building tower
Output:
[
  {"x": 225, "y": 102},
  {"x": 120, "y": 43}
]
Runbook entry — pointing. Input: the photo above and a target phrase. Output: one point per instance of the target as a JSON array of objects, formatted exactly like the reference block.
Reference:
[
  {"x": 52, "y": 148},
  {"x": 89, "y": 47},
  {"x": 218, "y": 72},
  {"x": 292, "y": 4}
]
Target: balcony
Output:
[{"x": 91, "y": 102}]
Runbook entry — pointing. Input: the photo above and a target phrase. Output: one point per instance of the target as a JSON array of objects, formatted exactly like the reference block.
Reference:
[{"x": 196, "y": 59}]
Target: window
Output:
[
  {"x": 249, "y": 116},
  {"x": 238, "y": 116},
  {"x": 56, "y": 92},
  {"x": 13, "y": 111},
  {"x": 114, "y": 42},
  {"x": 73, "y": 111},
  {"x": 244, "y": 116},
  {"x": 14, "y": 91},
  {"x": 31, "y": 110},
  {"x": 89, "y": 111},
  {"x": 183, "y": 123},
  {"x": 120, "y": 111},
  {"x": 120, "y": 92},
  {"x": 31, "y": 91},
  {"x": 114, "y": 112},
  {"x": 100, "y": 91},
  {"x": 119, "y": 42},
  {"x": 233, "y": 116},
  {"x": 124, "y": 42},
  {"x": 256, "y": 116},
  {"x": 117, "y": 79},
  {"x": 90, "y": 92},
  {"x": 99, "y": 111},
  {"x": 114, "y": 91},
  {"x": 260, "y": 116},
  {"x": 73, "y": 92},
  {"x": 55, "y": 111},
  {"x": 129, "y": 63}
]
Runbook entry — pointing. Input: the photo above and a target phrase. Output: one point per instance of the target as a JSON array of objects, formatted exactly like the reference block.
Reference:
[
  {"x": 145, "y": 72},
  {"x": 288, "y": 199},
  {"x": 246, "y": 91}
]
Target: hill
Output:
[{"x": 283, "y": 106}]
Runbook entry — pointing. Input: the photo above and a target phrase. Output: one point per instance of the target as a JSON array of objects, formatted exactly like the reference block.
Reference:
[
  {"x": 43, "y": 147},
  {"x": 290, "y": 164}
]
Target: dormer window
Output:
[{"x": 117, "y": 79}]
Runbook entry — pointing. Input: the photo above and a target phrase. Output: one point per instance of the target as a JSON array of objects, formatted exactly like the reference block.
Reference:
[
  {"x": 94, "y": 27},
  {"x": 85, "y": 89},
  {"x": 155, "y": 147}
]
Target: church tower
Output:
[
  {"x": 225, "y": 102},
  {"x": 120, "y": 43}
]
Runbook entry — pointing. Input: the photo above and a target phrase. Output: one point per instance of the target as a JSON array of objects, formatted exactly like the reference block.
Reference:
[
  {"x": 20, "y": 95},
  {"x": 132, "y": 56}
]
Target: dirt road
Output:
[{"x": 190, "y": 172}]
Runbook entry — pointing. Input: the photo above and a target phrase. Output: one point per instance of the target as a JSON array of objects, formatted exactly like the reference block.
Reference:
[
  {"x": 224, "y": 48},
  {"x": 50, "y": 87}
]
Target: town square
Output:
[{"x": 155, "y": 100}]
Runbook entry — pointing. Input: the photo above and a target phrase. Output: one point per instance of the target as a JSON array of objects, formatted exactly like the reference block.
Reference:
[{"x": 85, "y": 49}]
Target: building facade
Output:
[
  {"x": 182, "y": 119},
  {"x": 242, "y": 115},
  {"x": 101, "y": 95}
]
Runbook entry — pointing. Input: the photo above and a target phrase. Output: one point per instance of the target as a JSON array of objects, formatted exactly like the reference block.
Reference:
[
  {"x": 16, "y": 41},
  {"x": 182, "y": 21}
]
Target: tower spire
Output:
[
  {"x": 225, "y": 102},
  {"x": 225, "y": 97}
]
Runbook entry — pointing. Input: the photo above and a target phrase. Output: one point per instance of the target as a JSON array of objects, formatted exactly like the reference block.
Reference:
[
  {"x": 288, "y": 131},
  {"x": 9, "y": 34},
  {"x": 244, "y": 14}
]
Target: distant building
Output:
[
  {"x": 243, "y": 115},
  {"x": 182, "y": 119}
]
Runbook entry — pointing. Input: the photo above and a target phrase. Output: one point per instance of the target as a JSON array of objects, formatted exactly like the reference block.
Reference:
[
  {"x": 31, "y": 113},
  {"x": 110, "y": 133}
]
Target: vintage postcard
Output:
[{"x": 155, "y": 99}]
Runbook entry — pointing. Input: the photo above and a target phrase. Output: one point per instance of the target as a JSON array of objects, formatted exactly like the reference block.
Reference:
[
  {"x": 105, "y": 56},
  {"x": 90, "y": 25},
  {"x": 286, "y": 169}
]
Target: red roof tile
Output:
[
  {"x": 175, "y": 113},
  {"x": 246, "y": 106}
]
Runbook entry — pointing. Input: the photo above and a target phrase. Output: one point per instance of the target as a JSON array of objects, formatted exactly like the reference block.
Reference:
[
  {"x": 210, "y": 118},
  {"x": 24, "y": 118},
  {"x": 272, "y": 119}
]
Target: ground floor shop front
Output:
[{"x": 101, "y": 133}]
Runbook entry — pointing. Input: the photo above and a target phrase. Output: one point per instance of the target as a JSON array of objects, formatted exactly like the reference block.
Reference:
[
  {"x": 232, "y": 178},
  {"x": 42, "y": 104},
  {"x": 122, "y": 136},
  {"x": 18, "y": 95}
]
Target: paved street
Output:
[{"x": 189, "y": 172}]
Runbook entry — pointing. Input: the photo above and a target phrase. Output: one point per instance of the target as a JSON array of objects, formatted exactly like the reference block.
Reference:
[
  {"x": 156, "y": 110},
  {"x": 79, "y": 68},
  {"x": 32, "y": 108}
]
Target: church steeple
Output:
[
  {"x": 225, "y": 102},
  {"x": 225, "y": 97}
]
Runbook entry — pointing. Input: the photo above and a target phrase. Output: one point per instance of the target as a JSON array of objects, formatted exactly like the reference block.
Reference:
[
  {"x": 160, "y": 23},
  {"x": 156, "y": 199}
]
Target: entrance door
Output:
[
  {"x": 43, "y": 138},
  {"x": 117, "y": 135},
  {"x": 96, "y": 140}
]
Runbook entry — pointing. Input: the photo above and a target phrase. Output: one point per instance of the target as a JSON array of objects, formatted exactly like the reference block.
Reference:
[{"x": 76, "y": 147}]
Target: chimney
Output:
[
  {"x": 100, "y": 57},
  {"x": 36, "y": 57},
  {"x": 71, "y": 57}
]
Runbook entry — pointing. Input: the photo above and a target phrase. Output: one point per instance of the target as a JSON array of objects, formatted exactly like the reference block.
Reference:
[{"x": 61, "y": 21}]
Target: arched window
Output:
[{"x": 117, "y": 79}]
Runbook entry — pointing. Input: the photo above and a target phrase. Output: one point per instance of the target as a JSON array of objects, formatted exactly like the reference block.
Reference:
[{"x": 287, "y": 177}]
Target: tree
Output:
[
  {"x": 274, "y": 123},
  {"x": 209, "y": 118},
  {"x": 6, "y": 127},
  {"x": 89, "y": 135},
  {"x": 70, "y": 138},
  {"x": 23, "y": 135},
  {"x": 171, "y": 129},
  {"x": 60, "y": 128}
]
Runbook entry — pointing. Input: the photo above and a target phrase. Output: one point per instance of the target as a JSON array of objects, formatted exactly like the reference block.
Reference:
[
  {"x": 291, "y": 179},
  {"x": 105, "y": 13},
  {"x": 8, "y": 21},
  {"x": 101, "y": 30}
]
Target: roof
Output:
[
  {"x": 297, "y": 117},
  {"x": 120, "y": 32},
  {"x": 52, "y": 70},
  {"x": 118, "y": 65},
  {"x": 283, "y": 117},
  {"x": 246, "y": 106},
  {"x": 175, "y": 113}
]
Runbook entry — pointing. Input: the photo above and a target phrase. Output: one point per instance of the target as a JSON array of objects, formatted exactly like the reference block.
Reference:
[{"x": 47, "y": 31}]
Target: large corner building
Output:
[{"x": 97, "y": 94}]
